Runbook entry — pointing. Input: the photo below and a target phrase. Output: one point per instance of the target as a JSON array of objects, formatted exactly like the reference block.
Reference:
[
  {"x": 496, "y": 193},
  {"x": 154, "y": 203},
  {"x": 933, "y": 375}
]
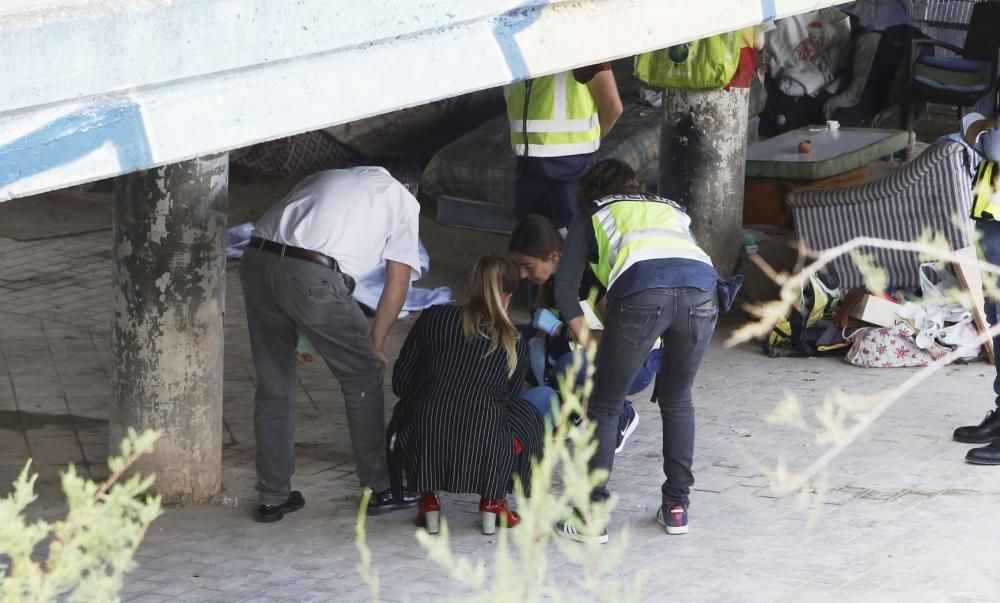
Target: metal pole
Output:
[
  {"x": 167, "y": 338},
  {"x": 703, "y": 144}
]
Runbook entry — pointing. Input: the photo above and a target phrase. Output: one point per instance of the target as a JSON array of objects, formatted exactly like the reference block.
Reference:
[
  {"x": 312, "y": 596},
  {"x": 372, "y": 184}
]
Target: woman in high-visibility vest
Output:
[
  {"x": 660, "y": 283},
  {"x": 980, "y": 129},
  {"x": 536, "y": 246}
]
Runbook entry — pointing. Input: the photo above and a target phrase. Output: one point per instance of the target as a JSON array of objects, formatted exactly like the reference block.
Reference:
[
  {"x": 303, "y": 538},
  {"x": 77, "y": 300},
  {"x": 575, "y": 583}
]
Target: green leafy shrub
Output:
[{"x": 87, "y": 554}]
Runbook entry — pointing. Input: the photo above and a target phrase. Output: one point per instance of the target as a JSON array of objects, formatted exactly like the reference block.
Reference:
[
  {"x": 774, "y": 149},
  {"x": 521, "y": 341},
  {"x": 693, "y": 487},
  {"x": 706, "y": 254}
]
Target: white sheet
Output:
[{"x": 369, "y": 287}]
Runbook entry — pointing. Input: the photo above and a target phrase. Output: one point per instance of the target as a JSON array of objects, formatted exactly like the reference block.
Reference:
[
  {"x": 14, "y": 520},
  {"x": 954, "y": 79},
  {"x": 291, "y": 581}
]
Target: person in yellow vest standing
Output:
[
  {"x": 980, "y": 129},
  {"x": 659, "y": 283},
  {"x": 556, "y": 125}
]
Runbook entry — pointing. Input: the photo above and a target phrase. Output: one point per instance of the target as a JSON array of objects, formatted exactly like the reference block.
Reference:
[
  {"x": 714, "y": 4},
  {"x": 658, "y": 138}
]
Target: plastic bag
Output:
[
  {"x": 705, "y": 64},
  {"x": 937, "y": 283},
  {"x": 940, "y": 329}
]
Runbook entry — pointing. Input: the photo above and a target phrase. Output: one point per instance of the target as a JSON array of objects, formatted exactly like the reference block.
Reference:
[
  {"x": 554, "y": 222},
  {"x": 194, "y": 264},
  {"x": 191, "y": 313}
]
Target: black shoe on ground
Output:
[
  {"x": 627, "y": 423},
  {"x": 270, "y": 513},
  {"x": 984, "y": 433},
  {"x": 384, "y": 502},
  {"x": 987, "y": 455}
]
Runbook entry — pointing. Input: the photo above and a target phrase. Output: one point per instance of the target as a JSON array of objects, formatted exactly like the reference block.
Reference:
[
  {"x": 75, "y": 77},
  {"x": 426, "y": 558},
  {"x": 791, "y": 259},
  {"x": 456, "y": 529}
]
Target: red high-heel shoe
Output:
[
  {"x": 494, "y": 511},
  {"x": 429, "y": 513}
]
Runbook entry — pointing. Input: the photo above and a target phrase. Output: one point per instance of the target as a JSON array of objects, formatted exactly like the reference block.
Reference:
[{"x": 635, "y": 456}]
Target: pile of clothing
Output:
[
  {"x": 921, "y": 328},
  {"x": 940, "y": 324},
  {"x": 835, "y": 65}
]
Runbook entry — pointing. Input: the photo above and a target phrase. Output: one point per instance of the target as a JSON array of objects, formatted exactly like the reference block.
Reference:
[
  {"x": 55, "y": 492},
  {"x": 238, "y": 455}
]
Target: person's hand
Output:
[
  {"x": 379, "y": 354},
  {"x": 303, "y": 359},
  {"x": 546, "y": 321},
  {"x": 991, "y": 143}
]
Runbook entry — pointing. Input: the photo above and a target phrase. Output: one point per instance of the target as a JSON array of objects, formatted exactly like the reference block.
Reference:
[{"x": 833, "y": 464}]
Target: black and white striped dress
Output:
[{"x": 460, "y": 411}]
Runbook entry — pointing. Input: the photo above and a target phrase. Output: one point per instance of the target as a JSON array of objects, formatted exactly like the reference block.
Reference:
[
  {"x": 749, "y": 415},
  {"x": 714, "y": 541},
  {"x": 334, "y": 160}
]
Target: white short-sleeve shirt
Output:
[{"x": 359, "y": 216}]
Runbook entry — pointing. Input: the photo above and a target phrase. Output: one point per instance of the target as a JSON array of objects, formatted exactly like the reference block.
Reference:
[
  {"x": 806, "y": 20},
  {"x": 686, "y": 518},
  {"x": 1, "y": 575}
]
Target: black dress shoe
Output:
[
  {"x": 984, "y": 433},
  {"x": 987, "y": 455},
  {"x": 384, "y": 502},
  {"x": 269, "y": 513}
]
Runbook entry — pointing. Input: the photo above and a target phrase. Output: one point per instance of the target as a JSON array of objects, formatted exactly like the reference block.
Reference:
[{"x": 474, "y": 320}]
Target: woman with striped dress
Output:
[{"x": 463, "y": 427}]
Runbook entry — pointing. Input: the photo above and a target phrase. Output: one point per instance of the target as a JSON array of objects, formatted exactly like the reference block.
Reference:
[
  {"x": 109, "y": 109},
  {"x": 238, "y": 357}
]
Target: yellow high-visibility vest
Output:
[
  {"x": 552, "y": 116},
  {"x": 985, "y": 201},
  {"x": 633, "y": 228}
]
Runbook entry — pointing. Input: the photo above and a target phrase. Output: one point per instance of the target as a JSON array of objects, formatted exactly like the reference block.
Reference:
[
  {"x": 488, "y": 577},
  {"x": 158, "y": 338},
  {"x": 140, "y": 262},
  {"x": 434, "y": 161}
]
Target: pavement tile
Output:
[{"x": 148, "y": 598}]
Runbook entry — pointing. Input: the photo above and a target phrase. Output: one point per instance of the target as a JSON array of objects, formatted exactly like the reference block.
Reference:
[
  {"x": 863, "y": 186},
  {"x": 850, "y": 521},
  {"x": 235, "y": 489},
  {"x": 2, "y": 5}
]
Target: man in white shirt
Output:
[{"x": 297, "y": 275}]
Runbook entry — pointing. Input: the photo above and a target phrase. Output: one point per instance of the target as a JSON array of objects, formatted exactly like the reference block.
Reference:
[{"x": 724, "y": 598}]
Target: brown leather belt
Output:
[{"x": 294, "y": 252}]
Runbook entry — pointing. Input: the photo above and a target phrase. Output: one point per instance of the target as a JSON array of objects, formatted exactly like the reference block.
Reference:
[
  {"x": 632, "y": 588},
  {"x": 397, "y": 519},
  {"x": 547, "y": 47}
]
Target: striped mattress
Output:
[{"x": 932, "y": 192}]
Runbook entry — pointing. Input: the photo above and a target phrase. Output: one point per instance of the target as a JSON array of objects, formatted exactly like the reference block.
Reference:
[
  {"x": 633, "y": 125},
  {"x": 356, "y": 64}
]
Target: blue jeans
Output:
[
  {"x": 990, "y": 243},
  {"x": 685, "y": 318},
  {"x": 541, "y": 398},
  {"x": 647, "y": 372}
]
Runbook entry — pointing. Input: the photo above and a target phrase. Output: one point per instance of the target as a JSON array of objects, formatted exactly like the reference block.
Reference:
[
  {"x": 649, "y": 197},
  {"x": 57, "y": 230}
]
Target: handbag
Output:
[
  {"x": 886, "y": 347},
  {"x": 705, "y": 64}
]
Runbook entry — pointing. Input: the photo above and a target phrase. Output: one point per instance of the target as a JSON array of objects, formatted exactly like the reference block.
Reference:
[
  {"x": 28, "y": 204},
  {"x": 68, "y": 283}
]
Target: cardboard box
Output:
[{"x": 875, "y": 310}]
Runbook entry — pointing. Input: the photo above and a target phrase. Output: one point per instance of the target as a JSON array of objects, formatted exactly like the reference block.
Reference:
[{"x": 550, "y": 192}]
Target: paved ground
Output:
[{"x": 905, "y": 518}]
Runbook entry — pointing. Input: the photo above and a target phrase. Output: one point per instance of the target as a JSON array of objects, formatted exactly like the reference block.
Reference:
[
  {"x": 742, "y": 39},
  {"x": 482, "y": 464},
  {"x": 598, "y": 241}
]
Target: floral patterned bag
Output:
[{"x": 886, "y": 347}]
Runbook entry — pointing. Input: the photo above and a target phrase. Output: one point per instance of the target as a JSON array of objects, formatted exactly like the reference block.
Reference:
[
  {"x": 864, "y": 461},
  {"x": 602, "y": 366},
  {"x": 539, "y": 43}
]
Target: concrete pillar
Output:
[
  {"x": 168, "y": 268},
  {"x": 703, "y": 144}
]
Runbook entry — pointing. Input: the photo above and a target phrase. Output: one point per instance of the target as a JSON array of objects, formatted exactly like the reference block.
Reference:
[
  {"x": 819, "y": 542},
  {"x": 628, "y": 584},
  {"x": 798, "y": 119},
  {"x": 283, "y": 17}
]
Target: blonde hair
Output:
[{"x": 484, "y": 313}]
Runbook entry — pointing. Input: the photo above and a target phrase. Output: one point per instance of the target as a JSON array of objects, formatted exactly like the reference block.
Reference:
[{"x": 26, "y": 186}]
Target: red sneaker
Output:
[{"x": 674, "y": 519}]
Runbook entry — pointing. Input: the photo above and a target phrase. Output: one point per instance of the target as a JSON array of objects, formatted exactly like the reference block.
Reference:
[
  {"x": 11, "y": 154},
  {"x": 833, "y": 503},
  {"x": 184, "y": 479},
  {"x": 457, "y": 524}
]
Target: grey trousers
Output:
[
  {"x": 685, "y": 317},
  {"x": 283, "y": 295}
]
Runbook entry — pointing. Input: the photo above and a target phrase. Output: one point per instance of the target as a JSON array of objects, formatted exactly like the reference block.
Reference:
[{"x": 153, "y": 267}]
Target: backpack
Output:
[
  {"x": 705, "y": 64},
  {"x": 809, "y": 328}
]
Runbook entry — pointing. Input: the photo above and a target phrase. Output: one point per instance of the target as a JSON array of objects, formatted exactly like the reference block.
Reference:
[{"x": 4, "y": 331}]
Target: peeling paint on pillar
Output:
[
  {"x": 702, "y": 153},
  {"x": 167, "y": 336}
]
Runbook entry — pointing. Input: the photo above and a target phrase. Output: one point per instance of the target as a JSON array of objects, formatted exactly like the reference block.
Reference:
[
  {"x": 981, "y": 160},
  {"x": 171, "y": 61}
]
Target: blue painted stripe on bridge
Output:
[{"x": 768, "y": 10}]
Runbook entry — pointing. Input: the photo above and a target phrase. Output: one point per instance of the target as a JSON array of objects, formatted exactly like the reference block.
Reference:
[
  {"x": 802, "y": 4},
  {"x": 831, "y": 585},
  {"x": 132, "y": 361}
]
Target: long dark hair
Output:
[
  {"x": 608, "y": 177},
  {"x": 536, "y": 236}
]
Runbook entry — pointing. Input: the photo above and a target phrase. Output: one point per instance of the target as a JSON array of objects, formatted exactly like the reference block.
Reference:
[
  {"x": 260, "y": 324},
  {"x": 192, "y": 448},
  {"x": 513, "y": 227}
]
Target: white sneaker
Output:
[{"x": 569, "y": 529}]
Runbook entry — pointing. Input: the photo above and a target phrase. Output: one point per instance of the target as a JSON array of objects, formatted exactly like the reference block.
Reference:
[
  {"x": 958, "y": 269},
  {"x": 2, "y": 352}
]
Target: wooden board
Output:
[
  {"x": 764, "y": 198},
  {"x": 971, "y": 279}
]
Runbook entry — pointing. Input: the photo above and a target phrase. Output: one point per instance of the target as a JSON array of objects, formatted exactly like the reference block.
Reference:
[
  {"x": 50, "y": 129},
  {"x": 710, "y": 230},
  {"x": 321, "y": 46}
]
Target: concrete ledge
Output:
[{"x": 98, "y": 88}]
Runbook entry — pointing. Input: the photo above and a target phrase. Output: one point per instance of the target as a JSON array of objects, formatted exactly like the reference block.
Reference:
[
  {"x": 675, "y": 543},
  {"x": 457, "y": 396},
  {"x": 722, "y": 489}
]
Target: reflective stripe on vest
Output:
[
  {"x": 985, "y": 204},
  {"x": 630, "y": 230},
  {"x": 555, "y": 116}
]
